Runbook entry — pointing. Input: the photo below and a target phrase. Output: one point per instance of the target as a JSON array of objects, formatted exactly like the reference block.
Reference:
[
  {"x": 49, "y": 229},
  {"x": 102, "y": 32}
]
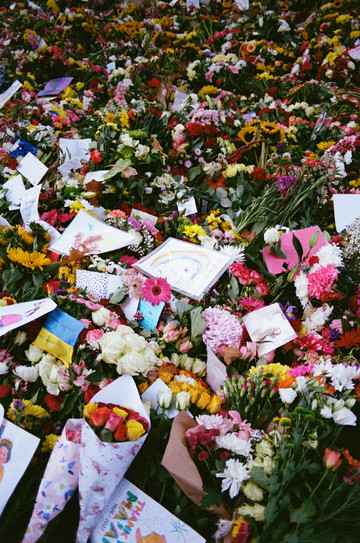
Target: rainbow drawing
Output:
[{"x": 193, "y": 265}]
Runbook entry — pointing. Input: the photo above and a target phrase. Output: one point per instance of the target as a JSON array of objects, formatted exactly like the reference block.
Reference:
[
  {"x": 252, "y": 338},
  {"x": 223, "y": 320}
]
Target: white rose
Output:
[
  {"x": 183, "y": 401},
  {"x": 256, "y": 511},
  {"x": 268, "y": 465},
  {"x": 345, "y": 417},
  {"x": 133, "y": 363},
  {"x": 100, "y": 316},
  {"x": 134, "y": 342},
  {"x": 271, "y": 235},
  {"x": 34, "y": 353},
  {"x": 27, "y": 373},
  {"x": 253, "y": 491},
  {"x": 20, "y": 338},
  {"x": 263, "y": 449},
  {"x": 113, "y": 346},
  {"x": 165, "y": 398},
  {"x": 199, "y": 367},
  {"x": 287, "y": 395}
]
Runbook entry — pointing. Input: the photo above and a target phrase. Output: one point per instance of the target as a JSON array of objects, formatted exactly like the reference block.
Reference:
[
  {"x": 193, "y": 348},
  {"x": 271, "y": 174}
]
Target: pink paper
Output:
[{"x": 275, "y": 264}]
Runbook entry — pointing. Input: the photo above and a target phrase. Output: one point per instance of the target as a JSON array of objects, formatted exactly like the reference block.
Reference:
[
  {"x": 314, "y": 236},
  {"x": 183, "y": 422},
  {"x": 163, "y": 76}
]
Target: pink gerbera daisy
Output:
[{"x": 156, "y": 290}]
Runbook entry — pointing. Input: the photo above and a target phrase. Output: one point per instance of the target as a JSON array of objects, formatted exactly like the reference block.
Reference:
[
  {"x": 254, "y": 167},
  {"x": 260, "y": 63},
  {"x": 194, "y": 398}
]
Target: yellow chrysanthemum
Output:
[
  {"x": 29, "y": 410},
  {"x": 193, "y": 230},
  {"x": 207, "y": 90},
  {"x": 29, "y": 260},
  {"x": 49, "y": 443},
  {"x": 124, "y": 119},
  {"x": 323, "y": 145}
]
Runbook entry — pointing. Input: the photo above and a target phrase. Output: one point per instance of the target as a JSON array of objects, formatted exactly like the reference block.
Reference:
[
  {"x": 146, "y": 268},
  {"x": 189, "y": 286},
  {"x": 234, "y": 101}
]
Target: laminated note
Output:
[
  {"x": 54, "y": 86},
  {"x": 5, "y": 96},
  {"x": 85, "y": 232},
  {"x": 15, "y": 315},
  {"x": 17, "y": 447}
]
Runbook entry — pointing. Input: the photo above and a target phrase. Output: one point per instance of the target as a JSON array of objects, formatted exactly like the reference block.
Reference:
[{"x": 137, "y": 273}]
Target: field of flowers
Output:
[{"x": 226, "y": 133}]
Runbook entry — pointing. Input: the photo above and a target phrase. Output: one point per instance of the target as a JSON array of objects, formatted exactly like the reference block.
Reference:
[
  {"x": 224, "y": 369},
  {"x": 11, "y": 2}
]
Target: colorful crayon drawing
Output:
[
  {"x": 8, "y": 320},
  {"x": 5, "y": 455},
  {"x": 151, "y": 538}
]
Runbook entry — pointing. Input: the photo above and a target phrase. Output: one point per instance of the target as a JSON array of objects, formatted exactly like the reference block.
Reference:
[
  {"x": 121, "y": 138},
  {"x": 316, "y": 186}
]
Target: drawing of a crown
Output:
[{"x": 6, "y": 442}]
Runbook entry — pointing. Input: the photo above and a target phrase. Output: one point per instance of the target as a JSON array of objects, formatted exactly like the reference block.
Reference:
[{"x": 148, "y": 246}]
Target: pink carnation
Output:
[{"x": 321, "y": 281}]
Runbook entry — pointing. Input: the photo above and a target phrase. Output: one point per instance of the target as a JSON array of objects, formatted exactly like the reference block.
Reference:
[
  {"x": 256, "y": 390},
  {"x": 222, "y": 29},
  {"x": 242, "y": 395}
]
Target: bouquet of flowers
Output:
[{"x": 94, "y": 454}]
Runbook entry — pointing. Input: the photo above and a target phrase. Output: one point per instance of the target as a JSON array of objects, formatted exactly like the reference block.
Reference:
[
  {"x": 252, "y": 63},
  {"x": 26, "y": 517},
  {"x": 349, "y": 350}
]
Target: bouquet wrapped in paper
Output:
[
  {"x": 115, "y": 432},
  {"x": 59, "y": 481},
  {"x": 93, "y": 454}
]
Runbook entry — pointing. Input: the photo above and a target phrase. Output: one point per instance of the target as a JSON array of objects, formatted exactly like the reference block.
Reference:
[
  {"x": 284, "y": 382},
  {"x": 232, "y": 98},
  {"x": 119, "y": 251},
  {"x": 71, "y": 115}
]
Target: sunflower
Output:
[
  {"x": 29, "y": 260},
  {"x": 249, "y": 134},
  {"x": 28, "y": 237},
  {"x": 207, "y": 90}
]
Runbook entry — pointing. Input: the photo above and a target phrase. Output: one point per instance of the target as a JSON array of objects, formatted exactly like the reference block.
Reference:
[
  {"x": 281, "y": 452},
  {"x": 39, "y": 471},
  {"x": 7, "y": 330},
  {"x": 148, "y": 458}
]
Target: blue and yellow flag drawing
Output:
[{"x": 59, "y": 334}]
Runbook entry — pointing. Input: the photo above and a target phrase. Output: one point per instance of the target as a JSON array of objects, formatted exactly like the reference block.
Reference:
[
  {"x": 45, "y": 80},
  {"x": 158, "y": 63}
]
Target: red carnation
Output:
[
  {"x": 155, "y": 83},
  {"x": 53, "y": 402}
]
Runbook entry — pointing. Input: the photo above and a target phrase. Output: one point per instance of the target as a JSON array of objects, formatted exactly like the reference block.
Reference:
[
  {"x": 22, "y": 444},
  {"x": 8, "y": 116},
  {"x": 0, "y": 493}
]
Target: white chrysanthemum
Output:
[
  {"x": 301, "y": 288},
  {"x": 342, "y": 377},
  {"x": 316, "y": 318},
  {"x": 233, "y": 443},
  {"x": 237, "y": 254},
  {"x": 330, "y": 254},
  {"x": 233, "y": 476}
]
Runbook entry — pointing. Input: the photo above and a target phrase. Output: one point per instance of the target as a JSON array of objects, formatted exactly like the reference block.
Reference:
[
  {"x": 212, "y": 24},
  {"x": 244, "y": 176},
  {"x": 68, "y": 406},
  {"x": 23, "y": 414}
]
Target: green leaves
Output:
[
  {"x": 259, "y": 477},
  {"x": 211, "y": 498},
  {"x": 118, "y": 295},
  {"x": 197, "y": 325},
  {"x": 298, "y": 247},
  {"x": 303, "y": 513}
]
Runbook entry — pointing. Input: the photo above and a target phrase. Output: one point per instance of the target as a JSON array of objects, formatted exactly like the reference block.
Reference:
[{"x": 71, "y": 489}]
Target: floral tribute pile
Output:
[{"x": 233, "y": 127}]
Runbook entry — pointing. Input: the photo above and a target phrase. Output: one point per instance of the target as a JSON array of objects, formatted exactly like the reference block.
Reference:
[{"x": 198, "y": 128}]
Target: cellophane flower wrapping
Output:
[{"x": 58, "y": 484}]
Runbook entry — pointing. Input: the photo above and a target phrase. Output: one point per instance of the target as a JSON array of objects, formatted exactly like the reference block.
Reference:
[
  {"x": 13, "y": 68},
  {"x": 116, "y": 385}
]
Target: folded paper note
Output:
[
  {"x": 13, "y": 316},
  {"x": 17, "y": 447},
  {"x": 278, "y": 265},
  {"x": 134, "y": 517},
  {"x": 346, "y": 209},
  {"x": 269, "y": 328},
  {"x": 151, "y": 314},
  {"x": 59, "y": 335},
  {"x": 215, "y": 371},
  {"x": 188, "y": 268},
  {"x": 54, "y": 86},
  {"x": 98, "y": 285},
  {"x": 32, "y": 168},
  {"x": 85, "y": 232}
]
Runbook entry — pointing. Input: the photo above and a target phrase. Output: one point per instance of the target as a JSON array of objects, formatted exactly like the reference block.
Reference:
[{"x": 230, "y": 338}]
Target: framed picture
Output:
[{"x": 188, "y": 268}]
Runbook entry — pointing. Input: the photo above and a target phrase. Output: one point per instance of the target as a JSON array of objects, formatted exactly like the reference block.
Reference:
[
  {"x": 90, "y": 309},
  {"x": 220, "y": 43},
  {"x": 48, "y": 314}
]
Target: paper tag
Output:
[
  {"x": 192, "y": 4},
  {"x": 15, "y": 191},
  {"x": 269, "y": 328},
  {"x": 110, "y": 67},
  {"x": 29, "y": 205},
  {"x": 215, "y": 371},
  {"x": 151, "y": 314},
  {"x": 5, "y": 96},
  {"x": 41, "y": 44},
  {"x": 32, "y": 168},
  {"x": 188, "y": 206}
]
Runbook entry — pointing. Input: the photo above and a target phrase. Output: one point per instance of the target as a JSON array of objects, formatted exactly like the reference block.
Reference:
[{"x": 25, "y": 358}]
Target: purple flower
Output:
[
  {"x": 135, "y": 223},
  {"x": 284, "y": 182}
]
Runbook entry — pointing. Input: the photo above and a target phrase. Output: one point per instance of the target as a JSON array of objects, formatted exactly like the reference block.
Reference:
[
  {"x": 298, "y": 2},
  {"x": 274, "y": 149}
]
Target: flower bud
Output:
[{"x": 165, "y": 398}]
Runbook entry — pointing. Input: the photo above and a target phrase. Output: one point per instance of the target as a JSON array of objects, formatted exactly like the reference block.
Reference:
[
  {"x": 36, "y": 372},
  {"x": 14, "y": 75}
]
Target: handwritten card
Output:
[
  {"x": 5, "y": 96},
  {"x": 32, "y": 168},
  {"x": 276, "y": 265},
  {"x": 15, "y": 191},
  {"x": 189, "y": 269},
  {"x": 13, "y": 316},
  {"x": 87, "y": 232},
  {"x": 346, "y": 209},
  {"x": 268, "y": 328},
  {"x": 54, "y": 86},
  {"x": 133, "y": 516},
  {"x": 98, "y": 285},
  {"x": 17, "y": 447},
  {"x": 29, "y": 205},
  {"x": 215, "y": 371},
  {"x": 151, "y": 314}
]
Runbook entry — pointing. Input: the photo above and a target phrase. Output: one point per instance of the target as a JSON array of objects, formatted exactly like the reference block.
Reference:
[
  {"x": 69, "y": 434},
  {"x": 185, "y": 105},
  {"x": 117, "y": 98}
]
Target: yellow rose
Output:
[
  {"x": 89, "y": 408},
  {"x": 134, "y": 430},
  {"x": 120, "y": 412},
  {"x": 214, "y": 404},
  {"x": 203, "y": 400}
]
